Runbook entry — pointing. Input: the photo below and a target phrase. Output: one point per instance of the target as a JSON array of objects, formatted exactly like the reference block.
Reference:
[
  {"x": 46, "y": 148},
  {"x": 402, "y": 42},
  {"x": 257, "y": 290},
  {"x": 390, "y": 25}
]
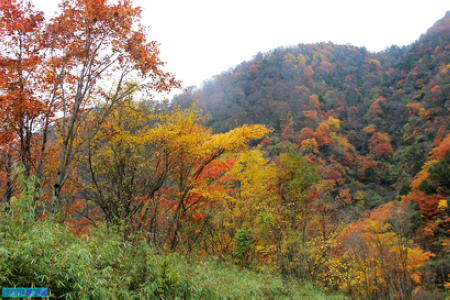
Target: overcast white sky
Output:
[{"x": 202, "y": 38}]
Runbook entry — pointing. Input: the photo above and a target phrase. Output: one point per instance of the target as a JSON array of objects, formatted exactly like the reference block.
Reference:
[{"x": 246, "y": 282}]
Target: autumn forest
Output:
[{"x": 314, "y": 168}]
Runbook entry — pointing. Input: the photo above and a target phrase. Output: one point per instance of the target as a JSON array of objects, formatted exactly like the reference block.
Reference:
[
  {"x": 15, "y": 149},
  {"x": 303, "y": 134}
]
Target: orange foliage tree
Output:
[
  {"x": 252, "y": 71},
  {"x": 374, "y": 259},
  {"x": 375, "y": 108},
  {"x": 380, "y": 145},
  {"x": 90, "y": 57}
]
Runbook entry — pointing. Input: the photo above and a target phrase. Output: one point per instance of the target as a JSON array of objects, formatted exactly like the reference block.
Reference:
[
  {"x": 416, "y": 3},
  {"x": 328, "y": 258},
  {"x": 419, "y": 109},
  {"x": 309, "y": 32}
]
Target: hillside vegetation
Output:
[
  {"x": 42, "y": 254},
  {"x": 311, "y": 169},
  {"x": 376, "y": 125}
]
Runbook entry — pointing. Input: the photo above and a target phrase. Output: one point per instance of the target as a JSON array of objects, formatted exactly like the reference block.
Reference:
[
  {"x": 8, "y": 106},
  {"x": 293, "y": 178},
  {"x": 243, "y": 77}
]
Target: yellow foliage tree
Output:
[
  {"x": 160, "y": 171},
  {"x": 374, "y": 260},
  {"x": 310, "y": 145}
]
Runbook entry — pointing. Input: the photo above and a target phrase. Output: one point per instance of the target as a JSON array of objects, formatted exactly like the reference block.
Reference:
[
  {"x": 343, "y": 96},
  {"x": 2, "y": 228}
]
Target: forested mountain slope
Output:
[
  {"x": 392, "y": 106},
  {"x": 273, "y": 84},
  {"x": 376, "y": 124}
]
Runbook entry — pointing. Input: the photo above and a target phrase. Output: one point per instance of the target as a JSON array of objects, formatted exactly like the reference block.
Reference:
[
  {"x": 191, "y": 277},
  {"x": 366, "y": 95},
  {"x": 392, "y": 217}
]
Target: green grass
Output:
[
  {"x": 230, "y": 281},
  {"x": 42, "y": 254}
]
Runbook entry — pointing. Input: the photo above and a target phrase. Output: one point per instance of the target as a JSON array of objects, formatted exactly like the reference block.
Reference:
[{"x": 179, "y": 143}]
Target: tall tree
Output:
[
  {"x": 21, "y": 55},
  {"x": 91, "y": 57}
]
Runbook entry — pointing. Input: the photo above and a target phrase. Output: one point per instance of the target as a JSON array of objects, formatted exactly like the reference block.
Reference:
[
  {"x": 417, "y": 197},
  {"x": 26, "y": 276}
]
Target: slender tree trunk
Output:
[
  {"x": 9, "y": 183},
  {"x": 56, "y": 199}
]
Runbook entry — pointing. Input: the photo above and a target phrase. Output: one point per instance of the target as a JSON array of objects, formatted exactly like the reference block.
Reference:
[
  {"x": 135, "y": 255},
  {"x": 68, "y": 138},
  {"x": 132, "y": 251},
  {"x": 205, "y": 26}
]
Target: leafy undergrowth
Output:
[{"x": 43, "y": 254}]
